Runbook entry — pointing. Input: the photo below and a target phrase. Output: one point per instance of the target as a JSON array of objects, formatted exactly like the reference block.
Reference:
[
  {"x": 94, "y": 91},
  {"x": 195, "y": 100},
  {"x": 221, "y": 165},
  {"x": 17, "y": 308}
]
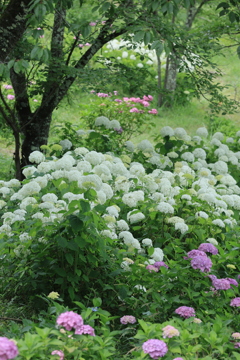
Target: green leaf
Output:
[
  {"x": 97, "y": 302},
  {"x": 10, "y": 64},
  {"x": 139, "y": 36},
  {"x": 69, "y": 258},
  {"x": 147, "y": 37},
  {"x": 62, "y": 242},
  {"x": 75, "y": 223}
]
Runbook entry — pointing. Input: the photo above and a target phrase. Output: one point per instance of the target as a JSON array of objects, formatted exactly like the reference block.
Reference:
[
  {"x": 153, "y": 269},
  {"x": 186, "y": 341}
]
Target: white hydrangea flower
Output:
[
  {"x": 137, "y": 169},
  {"x": 130, "y": 146},
  {"x": 103, "y": 172},
  {"x": 197, "y": 139},
  {"x": 114, "y": 124},
  {"x": 174, "y": 220},
  {"x": 24, "y": 237},
  {"x": 215, "y": 142},
  {"x": 199, "y": 153},
  {"x": 94, "y": 157},
  {"x": 113, "y": 210},
  {"x": 202, "y": 131},
  {"x": 218, "y": 135},
  {"x": 109, "y": 233},
  {"x": 90, "y": 181},
  {"x": 135, "y": 216},
  {"x": 157, "y": 254},
  {"x": 122, "y": 225},
  {"x": 132, "y": 198},
  {"x": 173, "y": 155},
  {"x": 182, "y": 227},
  {"x": 186, "y": 197},
  {"x": 201, "y": 214},
  {"x": 187, "y": 156},
  {"x": 46, "y": 167},
  {"x": 179, "y": 133},
  {"x": 145, "y": 146},
  {"x": 124, "y": 54},
  {"x": 219, "y": 223},
  {"x": 230, "y": 140},
  {"x": 50, "y": 197},
  {"x": 66, "y": 144},
  {"x": 81, "y": 151},
  {"x": 36, "y": 157},
  {"x": 212, "y": 241},
  {"x": 165, "y": 208},
  {"x": 108, "y": 191},
  {"x": 220, "y": 167},
  {"x": 147, "y": 242},
  {"x": 166, "y": 131},
  {"x": 80, "y": 132}
]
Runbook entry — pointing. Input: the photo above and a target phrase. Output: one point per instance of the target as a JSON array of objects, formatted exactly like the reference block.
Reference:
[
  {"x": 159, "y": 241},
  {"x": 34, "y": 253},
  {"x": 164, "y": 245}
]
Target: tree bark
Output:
[{"x": 12, "y": 26}]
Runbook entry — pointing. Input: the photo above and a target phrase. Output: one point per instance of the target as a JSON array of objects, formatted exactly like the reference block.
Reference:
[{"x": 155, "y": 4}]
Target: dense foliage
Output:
[{"x": 147, "y": 231}]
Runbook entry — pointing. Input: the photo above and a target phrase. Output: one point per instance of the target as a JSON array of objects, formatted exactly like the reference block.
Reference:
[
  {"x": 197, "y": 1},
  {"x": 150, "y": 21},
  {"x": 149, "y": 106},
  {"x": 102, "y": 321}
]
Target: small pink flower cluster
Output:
[
  {"x": 70, "y": 319},
  {"x": 7, "y": 87},
  {"x": 185, "y": 311},
  {"x": 128, "y": 319},
  {"x": 170, "y": 331},
  {"x": 102, "y": 94},
  {"x": 152, "y": 268},
  {"x": 8, "y": 349},
  {"x": 155, "y": 348},
  {"x": 59, "y": 353}
]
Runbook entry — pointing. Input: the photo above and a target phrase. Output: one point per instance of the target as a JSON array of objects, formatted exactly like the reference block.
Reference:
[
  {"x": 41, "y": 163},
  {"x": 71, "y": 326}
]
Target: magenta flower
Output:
[
  {"x": 80, "y": 45},
  {"x": 153, "y": 111},
  {"x": 155, "y": 348},
  {"x": 206, "y": 247},
  {"x": 85, "y": 329},
  {"x": 115, "y": 93},
  {"x": 202, "y": 263},
  {"x": 92, "y": 23},
  {"x": 178, "y": 358},
  {"x": 102, "y": 95},
  {"x": 237, "y": 345},
  {"x": 10, "y": 97},
  {"x": 128, "y": 319},
  {"x": 59, "y": 353},
  {"x": 185, "y": 311},
  {"x": 158, "y": 264},
  {"x": 235, "y": 302},
  {"x": 8, "y": 349},
  {"x": 221, "y": 284},
  {"x": 69, "y": 320}
]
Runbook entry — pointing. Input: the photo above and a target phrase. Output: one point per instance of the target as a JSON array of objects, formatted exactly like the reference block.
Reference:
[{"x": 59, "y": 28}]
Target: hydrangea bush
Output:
[{"x": 153, "y": 230}]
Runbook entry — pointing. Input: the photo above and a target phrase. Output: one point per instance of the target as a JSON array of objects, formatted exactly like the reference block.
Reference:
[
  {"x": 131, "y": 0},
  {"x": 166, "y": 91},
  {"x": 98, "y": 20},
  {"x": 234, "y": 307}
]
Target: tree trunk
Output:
[
  {"x": 170, "y": 82},
  {"x": 159, "y": 81}
]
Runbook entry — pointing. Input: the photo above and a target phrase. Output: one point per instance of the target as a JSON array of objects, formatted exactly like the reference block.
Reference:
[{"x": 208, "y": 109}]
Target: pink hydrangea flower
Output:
[
  {"x": 237, "y": 345},
  {"x": 8, "y": 87},
  {"x": 153, "y": 111},
  {"x": 152, "y": 268},
  {"x": 221, "y": 284},
  {"x": 185, "y": 311},
  {"x": 145, "y": 103},
  {"x": 69, "y": 320},
  {"x": 134, "y": 110},
  {"x": 235, "y": 302},
  {"x": 170, "y": 331},
  {"x": 128, "y": 319},
  {"x": 236, "y": 335},
  {"x": 155, "y": 348},
  {"x": 102, "y": 95},
  {"x": 10, "y": 97},
  {"x": 92, "y": 23},
  {"x": 206, "y": 247},
  {"x": 85, "y": 329},
  {"x": 202, "y": 263},
  {"x": 191, "y": 254},
  {"x": 178, "y": 358},
  {"x": 158, "y": 264},
  {"x": 8, "y": 349},
  {"x": 232, "y": 281},
  {"x": 59, "y": 353}
]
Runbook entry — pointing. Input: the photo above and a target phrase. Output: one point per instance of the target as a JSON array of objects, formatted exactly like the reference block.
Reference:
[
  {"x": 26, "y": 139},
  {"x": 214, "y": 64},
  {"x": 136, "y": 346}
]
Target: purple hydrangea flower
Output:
[
  {"x": 202, "y": 263},
  {"x": 59, "y": 353},
  {"x": 237, "y": 345},
  {"x": 155, "y": 348},
  {"x": 235, "y": 302},
  {"x": 69, "y": 320},
  {"x": 232, "y": 281},
  {"x": 8, "y": 349},
  {"x": 221, "y": 284},
  {"x": 185, "y": 311},
  {"x": 128, "y": 319},
  {"x": 85, "y": 329},
  {"x": 152, "y": 268},
  {"x": 191, "y": 254},
  {"x": 158, "y": 264},
  {"x": 206, "y": 247},
  {"x": 178, "y": 358}
]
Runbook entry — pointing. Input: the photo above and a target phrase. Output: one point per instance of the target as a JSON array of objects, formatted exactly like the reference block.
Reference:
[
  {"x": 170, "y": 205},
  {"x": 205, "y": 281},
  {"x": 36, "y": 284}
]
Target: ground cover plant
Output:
[{"x": 133, "y": 248}]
